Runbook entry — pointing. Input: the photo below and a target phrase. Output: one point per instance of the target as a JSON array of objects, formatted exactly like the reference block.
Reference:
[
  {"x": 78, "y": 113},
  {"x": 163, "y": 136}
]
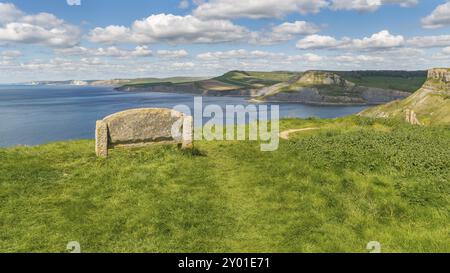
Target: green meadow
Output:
[{"x": 330, "y": 190}]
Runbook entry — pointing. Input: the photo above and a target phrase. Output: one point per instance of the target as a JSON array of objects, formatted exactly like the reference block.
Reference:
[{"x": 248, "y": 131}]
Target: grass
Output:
[
  {"x": 406, "y": 83},
  {"x": 230, "y": 81},
  {"x": 255, "y": 79},
  {"x": 150, "y": 82},
  {"x": 333, "y": 190}
]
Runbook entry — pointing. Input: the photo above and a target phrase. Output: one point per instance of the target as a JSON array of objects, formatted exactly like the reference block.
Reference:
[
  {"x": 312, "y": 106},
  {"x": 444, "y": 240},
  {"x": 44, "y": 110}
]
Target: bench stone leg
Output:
[
  {"x": 187, "y": 133},
  {"x": 101, "y": 139}
]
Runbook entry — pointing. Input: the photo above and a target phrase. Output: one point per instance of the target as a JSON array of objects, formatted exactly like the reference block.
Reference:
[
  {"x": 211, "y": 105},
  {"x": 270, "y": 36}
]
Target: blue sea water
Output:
[{"x": 31, "y": 115}]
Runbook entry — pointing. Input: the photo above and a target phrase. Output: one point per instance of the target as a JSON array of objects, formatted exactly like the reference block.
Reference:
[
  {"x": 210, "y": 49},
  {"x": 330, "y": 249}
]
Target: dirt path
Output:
[{"x": 285, "y": 134}]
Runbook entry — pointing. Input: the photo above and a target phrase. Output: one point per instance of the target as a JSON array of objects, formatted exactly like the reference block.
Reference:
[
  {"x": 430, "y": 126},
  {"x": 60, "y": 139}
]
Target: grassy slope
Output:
[
  {"x": 252, "y": 78},
  {"x": 171, "y": 79},
  {"x": 401, "y": 84},
  {"x": 326, "y": 191},
  {"x": 397, "y": 80},
  {"x": 229, "y": 81},
  {"x": 431, "y": 107},
  {"x": 145, "y": 82}
]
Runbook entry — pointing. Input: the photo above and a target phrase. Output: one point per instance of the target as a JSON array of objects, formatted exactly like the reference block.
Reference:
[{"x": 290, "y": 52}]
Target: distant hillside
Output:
[
  {"x": 408, "y": 81},
  {"x": 255, "y": 79},
  {"x": 143, "y": 82},
  {"x": 430, "y": 105},
  {"x": 233, "y": 83},
  {"x": 327, "y": 87},
  {"x": 119, "y": 82}
]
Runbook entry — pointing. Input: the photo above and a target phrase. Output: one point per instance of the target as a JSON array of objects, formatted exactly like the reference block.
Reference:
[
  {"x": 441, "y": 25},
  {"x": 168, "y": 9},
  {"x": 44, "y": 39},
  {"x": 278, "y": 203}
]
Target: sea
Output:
[{"x": 33, "y": 115}]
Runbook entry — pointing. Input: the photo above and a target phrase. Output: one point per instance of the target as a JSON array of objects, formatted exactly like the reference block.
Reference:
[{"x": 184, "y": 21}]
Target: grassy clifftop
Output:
[
  {"x": 332, "y": 190},
  {"x": 408, "y": 81},
  {"x": 255, "y": 79}
]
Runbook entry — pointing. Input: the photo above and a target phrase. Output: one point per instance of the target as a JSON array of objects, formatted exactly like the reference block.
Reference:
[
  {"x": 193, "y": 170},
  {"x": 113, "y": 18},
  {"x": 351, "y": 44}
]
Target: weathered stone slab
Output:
[
  {"x": 101, "y": 139},
  {"x": 188, "y": 131},
  {"x": 141, "y": 127}
]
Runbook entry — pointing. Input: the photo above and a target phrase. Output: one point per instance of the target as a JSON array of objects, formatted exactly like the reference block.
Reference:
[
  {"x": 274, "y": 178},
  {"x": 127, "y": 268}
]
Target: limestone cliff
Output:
[
  {"x": 430, "y": 105},
  {"x": 439, "y": 74},
  {"x": 322, "y": 87}
]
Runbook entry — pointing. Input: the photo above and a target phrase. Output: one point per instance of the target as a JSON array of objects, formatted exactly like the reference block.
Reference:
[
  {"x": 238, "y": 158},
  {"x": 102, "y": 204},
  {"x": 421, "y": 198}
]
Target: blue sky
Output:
[{"x": 101, "y": 39}]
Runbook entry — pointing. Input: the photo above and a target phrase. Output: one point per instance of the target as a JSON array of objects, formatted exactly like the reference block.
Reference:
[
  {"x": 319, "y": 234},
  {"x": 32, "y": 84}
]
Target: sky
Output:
[{"x": 104, "y": 39}]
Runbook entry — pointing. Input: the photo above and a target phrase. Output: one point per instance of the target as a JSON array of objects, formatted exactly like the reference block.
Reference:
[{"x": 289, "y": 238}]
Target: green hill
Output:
[
  {"x": 255, "y": 79},
  {"x": 145, "y": 82},
  {"x": 430, "y": 105},
  {"x": 231, "y": 81},
  {"x": 331, "y": 190}
]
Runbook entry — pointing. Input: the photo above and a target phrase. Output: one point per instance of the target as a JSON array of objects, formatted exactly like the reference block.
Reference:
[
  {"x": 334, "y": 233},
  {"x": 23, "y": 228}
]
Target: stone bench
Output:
[{"x": 141, "y": 127}]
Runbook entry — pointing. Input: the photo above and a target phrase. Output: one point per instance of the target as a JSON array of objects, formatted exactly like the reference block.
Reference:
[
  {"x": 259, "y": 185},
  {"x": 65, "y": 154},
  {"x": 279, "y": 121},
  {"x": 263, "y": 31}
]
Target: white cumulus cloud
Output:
[
  {"x": 256, "y": 9},
  {"x": 42, "y": 28},
  {"x": 172, "y": 29},
  {"x": 297, "y": 28},
  {"x": 317, "y": 42},
  {"x": 368, "y": 5},
  {"x": 378, "y": 41},
  {"x": 429, "y": 41},
  {"x": 284, "y": 32},
  {"x": 440, "y": 17}
]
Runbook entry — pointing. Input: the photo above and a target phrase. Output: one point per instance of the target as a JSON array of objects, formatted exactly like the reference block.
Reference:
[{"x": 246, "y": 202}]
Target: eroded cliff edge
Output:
[
  {"x": 319, "y": 87},
  {"x": 430, "y": 105}
]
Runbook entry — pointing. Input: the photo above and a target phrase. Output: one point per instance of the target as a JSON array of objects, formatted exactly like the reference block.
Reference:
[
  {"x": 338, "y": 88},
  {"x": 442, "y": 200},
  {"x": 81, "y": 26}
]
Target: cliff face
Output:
[
  {"x": 429, "y": 105},
  {"x": 317, "y": 78},
  {"x": 439, "y": 74},
  {"x": 321, "y": 87}
]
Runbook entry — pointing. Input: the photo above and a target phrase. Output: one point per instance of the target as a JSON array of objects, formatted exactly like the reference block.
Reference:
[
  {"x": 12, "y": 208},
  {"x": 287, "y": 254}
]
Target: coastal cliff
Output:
[
  {"x": 311, "y": 87},
  {"x": 439, "y": 74},
  {"x": 430, "y": 105},
  {"x": 319, "y": 87}
]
